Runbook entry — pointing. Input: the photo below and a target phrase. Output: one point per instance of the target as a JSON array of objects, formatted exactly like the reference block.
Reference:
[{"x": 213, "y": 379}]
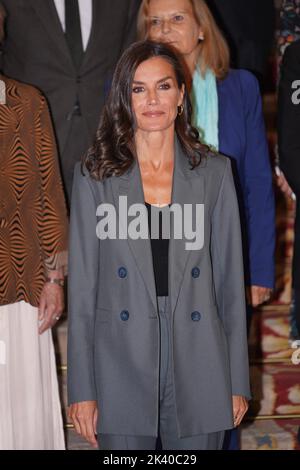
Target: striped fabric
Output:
[{"x": 33, "y": 217}]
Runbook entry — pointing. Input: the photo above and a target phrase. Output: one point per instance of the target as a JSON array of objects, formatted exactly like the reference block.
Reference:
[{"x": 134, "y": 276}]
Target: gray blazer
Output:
[{"x": 114, "y": 358}]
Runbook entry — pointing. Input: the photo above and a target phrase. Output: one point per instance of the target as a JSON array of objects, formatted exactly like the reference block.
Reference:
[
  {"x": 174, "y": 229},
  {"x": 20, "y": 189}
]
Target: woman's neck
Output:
[
  {"x": 155, "y": 149},
  {"x": 191, "y": 63}
]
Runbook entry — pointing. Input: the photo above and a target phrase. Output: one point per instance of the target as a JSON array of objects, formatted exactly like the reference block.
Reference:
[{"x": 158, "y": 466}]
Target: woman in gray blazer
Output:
[{"x": 157, "y": 327}]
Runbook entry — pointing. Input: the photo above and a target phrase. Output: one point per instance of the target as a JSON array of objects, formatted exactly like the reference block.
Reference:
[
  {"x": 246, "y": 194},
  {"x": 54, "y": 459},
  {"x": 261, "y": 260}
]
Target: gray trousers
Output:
[{"x": 167, "y": 420}]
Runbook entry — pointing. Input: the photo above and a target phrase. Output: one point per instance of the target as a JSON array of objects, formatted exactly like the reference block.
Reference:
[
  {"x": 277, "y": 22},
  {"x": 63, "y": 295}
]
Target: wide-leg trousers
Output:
[{"x": 167, "y": 431}]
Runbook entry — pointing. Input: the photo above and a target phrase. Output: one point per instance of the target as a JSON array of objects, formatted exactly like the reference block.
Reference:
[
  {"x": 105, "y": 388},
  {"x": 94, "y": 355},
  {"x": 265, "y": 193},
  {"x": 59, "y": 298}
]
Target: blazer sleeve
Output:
[
  {"x": 258, "y": 187},
  {"x": 82, "y": 290},
  {"x": 289, "y": 117},
  {"x": 54, "y": 219},
  {"x": 228, "y": 271}
]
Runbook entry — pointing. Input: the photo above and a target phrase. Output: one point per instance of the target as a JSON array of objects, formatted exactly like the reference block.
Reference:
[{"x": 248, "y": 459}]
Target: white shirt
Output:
[{"x": 86, "y": 14}]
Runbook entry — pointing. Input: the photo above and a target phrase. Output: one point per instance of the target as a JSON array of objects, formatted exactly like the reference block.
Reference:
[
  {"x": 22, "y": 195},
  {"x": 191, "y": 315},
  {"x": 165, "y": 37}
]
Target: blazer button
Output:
[
  {"x": 196, "y": 316},
  {"x": 124, "y": 315},
  {"x": 195, "y": 273},
  {"x": 122, "y": 272}
]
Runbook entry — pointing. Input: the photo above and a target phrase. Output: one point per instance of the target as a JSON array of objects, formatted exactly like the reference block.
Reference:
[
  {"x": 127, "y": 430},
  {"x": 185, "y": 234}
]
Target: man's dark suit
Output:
[
  {"x": 289, "y": 146},
  {"x": 249, "y": 28},
  {"x": 36, "y": 52}
]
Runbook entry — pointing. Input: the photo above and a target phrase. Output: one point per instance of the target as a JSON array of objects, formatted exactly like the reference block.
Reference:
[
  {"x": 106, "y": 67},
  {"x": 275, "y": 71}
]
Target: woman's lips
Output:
[{"x": 153, "y": 113}]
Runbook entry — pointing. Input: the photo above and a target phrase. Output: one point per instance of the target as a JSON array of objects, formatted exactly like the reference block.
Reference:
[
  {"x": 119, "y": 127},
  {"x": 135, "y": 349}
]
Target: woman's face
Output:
[
  {"x": 174, "y": 22},
  {"x": 155, "y": 95}
]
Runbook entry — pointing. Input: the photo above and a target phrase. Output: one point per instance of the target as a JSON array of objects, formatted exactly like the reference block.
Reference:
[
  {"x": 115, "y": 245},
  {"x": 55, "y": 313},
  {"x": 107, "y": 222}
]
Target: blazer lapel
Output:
[
  {"x": 130, "y": 185},
  {"x": 223, "y": 113},
  {"x": 46, "y": 10},
  {"x": 188, "y": 188}
]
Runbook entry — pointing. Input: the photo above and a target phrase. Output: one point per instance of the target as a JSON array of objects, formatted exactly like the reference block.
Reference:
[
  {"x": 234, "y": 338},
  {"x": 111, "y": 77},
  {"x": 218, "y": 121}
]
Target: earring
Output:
[
  {"x": 180, "y": 110},
  {"x": 201, "y": 38}
]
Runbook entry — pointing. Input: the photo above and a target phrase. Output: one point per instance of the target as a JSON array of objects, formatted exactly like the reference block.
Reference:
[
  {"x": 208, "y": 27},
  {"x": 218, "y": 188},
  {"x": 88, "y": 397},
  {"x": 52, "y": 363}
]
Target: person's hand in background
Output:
[{"x": 283, "y": 185}]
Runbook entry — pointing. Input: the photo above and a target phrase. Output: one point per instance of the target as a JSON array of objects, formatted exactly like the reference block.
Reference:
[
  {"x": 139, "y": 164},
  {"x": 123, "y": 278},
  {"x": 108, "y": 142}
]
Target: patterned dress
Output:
[{"x": 33, "y": 240}]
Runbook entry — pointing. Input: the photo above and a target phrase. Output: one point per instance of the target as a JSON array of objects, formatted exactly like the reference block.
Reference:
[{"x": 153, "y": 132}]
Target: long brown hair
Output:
[
  {"x": 113, "y": 152},
  {"x": 213, "y": 51}
]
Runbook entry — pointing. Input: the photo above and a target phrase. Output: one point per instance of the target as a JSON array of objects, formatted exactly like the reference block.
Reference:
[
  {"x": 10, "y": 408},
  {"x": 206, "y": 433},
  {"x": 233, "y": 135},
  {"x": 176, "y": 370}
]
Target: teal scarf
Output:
[{"x": 204, "y": 98}]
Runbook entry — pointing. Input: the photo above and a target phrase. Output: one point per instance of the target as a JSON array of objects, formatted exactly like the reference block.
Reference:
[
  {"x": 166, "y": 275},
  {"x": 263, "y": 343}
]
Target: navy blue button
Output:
[
  {"x": 122, "y": 272},
  {"x": 196, "y": 316},
  {"x": 195, "y": 272},
  {"x": 124, "y": 315}
]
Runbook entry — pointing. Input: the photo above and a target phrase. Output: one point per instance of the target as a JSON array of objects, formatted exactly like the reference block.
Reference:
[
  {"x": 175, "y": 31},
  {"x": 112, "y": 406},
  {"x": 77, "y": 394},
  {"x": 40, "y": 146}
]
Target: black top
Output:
[{"x": 160, "y": 251}]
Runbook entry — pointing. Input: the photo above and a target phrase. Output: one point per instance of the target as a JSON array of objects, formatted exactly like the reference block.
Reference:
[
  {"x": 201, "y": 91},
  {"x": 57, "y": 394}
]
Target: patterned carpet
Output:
[
  {"x": 275, "y": 386},
  {"x": 274, "y": 415}
]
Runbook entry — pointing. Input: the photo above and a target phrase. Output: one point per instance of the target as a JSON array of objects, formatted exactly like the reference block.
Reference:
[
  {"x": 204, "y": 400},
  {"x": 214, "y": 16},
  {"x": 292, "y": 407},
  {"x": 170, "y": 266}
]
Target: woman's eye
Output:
[
  {"x": 154, "y": 22},
  {"x": 137, "y": 89},
  {"x": 165, "y": 86},
  {"x": 178, "y": 18}
]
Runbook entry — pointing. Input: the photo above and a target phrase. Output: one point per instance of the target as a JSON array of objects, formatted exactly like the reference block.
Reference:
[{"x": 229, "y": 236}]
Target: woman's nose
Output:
[
  {"x": 165, "y": 27},
  {"x": 152, "y": 97}
]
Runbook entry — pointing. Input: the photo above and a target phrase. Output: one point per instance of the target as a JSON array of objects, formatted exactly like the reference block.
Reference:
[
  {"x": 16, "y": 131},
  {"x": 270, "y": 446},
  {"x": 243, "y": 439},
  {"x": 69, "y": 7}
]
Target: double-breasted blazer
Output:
[{"x": 113, "y": 344}]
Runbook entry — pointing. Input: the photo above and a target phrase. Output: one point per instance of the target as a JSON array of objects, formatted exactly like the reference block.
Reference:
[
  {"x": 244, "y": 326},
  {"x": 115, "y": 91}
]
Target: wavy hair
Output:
[
  {"x": 113, "y": 152},
  {"x": 213, "y": 52}
]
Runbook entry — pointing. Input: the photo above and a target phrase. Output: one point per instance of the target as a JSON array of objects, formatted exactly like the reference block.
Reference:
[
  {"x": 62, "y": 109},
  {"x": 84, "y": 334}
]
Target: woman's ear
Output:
[
  {"x": 181, "y": 95},
  {"x": 201, "y": 34}
]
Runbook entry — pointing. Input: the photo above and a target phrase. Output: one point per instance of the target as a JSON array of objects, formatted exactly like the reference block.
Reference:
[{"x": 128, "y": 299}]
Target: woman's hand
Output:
[
  {"x": 240, "y": 407},
  {"x": 84, "y": 416},
  {"x": 51, "y": 306}
]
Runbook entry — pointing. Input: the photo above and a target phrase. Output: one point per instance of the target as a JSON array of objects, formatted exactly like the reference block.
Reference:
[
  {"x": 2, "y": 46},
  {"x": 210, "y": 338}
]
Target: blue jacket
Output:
[{"x": 242, "y": 137}]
